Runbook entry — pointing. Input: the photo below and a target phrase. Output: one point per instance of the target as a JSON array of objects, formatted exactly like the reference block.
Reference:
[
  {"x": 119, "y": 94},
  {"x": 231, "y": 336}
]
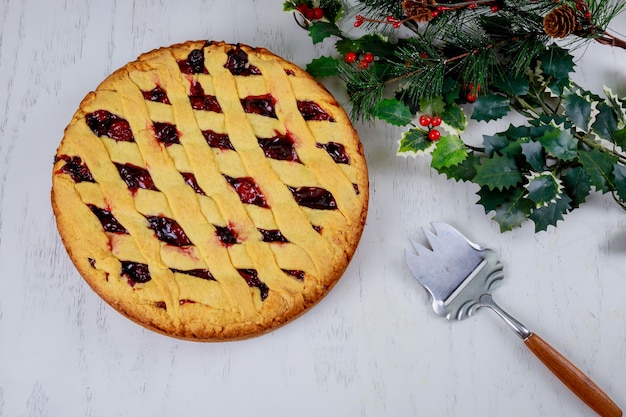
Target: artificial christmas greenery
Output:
[{"x": 430, "y": 65}]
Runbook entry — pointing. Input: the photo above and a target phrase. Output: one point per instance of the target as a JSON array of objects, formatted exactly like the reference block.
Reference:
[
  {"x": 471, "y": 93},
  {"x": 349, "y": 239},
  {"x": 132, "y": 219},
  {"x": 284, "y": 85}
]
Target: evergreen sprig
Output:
[{"x": 484, "y": 60}]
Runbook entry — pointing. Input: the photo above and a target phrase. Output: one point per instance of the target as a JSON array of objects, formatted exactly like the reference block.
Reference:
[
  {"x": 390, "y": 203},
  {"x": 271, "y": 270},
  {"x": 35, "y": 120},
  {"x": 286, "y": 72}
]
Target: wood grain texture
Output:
[{"x": 372, "y": 347}]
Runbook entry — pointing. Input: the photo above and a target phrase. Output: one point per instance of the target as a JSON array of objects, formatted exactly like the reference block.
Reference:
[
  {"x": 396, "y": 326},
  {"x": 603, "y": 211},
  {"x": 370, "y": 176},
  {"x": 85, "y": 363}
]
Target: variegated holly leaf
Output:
[
  {"x": 543, "y": 188},
  {"x": 415, "y": 142},
  {"x": 578, "y": 109}
]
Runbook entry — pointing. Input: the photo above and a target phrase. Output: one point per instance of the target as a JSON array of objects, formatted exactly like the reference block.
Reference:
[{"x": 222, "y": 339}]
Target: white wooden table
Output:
[{"x": 372, "y": 347}]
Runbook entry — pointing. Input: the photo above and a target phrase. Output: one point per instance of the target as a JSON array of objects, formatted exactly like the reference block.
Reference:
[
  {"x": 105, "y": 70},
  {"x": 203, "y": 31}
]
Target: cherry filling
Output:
[
  {"x": 166, "y": 133},
  {"x": 75, "y": 168},
  {"x": 157, "y": 94},
  {"x": 261, "y": 105},
  {"x": 105, "y": 123},
  {"x": 168, "y": 230},
  {"x": 226, "y": 235},
  {"x": 312, "y": 111},
  {"x": 237, "y": 63},
  {"x": 108, "y": 221},
  {"x": 279, "y": 147},
  {"x": 194, "y": 64},
  {"x": 161, "y": 304},
  {"x": 299, "y": 275},
  {"x": 248, "y": 190},
  {"x": 217, "y": 140},
  {"x": 314, "y": 197},
  {"x": 135, "y": 272},
  {"x": 289, "y": 72},
  {"x": 273, "y": 236},
  {"x": 200, "y": 101},
  {"x": 198, "y": 273},
  {"x": 336, "y": 151},
  {"x": 191, "y": 181},
  {"x": 252, "y": 279},
  {"x": 136, "y": 177}
]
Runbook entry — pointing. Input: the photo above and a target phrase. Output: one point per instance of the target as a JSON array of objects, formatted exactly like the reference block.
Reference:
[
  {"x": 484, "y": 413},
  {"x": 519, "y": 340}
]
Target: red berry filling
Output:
[
  {"x": 226, "y": 235},
  {"x": 168, "y": 230},
  {"x": 252, "y": 279},
  {"x": 237, "y": 63},
  {"x": 135, "y": 272},
  {"x": 299, "y": 275},
  {"x": 198, "y": 273},
  {"x": 261, "y": 105},
  {"x": 157, "y": 94},
  {"x": 248, "y": 191},
  {"x": 194, "y": 64},
  {"x": 166, "y": 133},
  {"x": 75, "y": 168},
  {"x": 279, "y": 147},
  {"x": 217, "y": 140},
  {"x": 273, "y": 236},
  {"x": 200, "y": 101},
  {"x": 105, "y": 123},
  {"x": 312, "y": 111},
  {"x": 314, "y": 197},
  {"x": 191, "y": 181},
  {"x": 336, "y": 151},
  {"x": 108, "y": 221},
  {"x": 136, "y": 177}
]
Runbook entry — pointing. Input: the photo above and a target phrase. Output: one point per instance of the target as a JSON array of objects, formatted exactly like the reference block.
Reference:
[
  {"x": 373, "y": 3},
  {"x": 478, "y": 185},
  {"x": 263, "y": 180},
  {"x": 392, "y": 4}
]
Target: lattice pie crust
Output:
[{"x": 210, "y": 191}]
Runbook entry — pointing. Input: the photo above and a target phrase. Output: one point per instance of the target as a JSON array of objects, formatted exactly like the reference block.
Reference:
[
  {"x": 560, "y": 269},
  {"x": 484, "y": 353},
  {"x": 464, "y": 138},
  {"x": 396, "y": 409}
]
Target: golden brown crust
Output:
[{"x": 153, "y": 248}]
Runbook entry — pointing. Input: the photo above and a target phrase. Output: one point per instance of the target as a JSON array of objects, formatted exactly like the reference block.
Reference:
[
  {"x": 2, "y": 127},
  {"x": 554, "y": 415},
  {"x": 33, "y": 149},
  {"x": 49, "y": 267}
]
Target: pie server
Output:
[{"x": 458, "y": 276}]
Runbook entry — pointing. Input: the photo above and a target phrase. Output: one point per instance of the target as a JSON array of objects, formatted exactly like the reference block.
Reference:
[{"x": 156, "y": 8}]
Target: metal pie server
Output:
[{"x": 459, "y": 274}]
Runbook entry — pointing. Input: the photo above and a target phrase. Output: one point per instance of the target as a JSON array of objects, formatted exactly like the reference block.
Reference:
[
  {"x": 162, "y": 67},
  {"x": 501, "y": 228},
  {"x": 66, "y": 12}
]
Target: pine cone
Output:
[
  {"x": 561, "y": 22},
  {"x": 419, "y": 11}
]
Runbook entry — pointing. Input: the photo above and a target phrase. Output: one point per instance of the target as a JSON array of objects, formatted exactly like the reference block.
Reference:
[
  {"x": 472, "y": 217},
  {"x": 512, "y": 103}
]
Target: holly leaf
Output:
[
  {"x": 454, "y": 117},
  {"x": 578, "y": 109},
  {"x": 324, "y": 66},
  {"x": 557, "y": 62},
  {"x": 432, "y": 105},
  {"x": 550, "y": 214},
  {"x": 559, "y": 143},
  {"x": 289, "y": 6},
  {"x": 464, "y": 171},
  {"x": 393, "y": 111},
  {"x": 533, "y": 152},
  {"x": 577, "y": 185},
  {"x": 517, "y": 85},
  {"x": 490, "y": 107},
  {"x": 494, "y": 143},
  {"x": 414, "y": 142},
  {"x": 320, "y": 30},
  {"x": 513, "y": 211},
  {"x": 498, "y": 172},
  {"x": 605, "y": 124},
  {"x": 599, "y": 166},
  {"x": 619, "y": 172},
  {"x": 450, "y": 150},
  {"x": 543, "y": 189},
  {"x": 619, "y": 137}
]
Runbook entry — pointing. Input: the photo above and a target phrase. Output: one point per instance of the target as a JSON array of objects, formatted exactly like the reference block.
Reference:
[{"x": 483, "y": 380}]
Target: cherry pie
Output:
[{"x": 210, "y": 191}]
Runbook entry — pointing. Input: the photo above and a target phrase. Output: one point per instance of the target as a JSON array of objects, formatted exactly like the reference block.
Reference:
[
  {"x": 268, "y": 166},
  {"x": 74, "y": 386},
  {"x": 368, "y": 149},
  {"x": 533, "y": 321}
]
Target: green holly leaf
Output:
[
  {"x": 578, "y": 109},
  {"x": 513, "y": 211},
  {"x": 619, "y": 172},
  {"x": 454, "y": 117},
  {"x": 533, "y": 152},
  {"x": 393, "y": 111},
  {"x": 495, "y": 143},
  {"x": 432, "y": 105},
  {"x": 543, "y": 189},
  {"x": 376, "y": 44},
  {"x": 517, "y": 85},
  {"x": 559, "y": 143},
  {"x": 549, "y": 215},
  {"x": 415, "y": 141},
  {"x": 498, "y": 172},
  {"x": 577, "y": 185},
  {"x": 320, "y": 30},
  {"x": 464, "y": 171},
  {"x": 599, "y": 166},
  {"x": 450, "y": 150},
  {"x": 324, "y": 66},
  {"x": 557, "y": 62},
  {"x": 490, "y": 107},
  {"x": 605, "y": 124},
  {"x": 289, "y": 6},
  {"x": 619, "y": 137}
]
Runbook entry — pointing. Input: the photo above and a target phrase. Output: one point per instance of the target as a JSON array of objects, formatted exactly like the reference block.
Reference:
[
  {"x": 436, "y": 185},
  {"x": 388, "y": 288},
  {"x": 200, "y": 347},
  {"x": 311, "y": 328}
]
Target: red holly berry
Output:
[
  {"x": 309, "y": 13},
  {"x": 368, "y": 57},
  {"x": 351, "y": 57},
  {"x": 425, "y": 120},
  {"x": 471, "y": 97},
  {"x": 358, "y": 23},
  {"x": 318, "y": 13},
  {"x": 302, "y": 7},
  {"x": 472, "y": 6},
  {"x": 436, "y": 121},
  {"x": 434, "y": 135},
  {"x": 363, "y": 64},
  {"x": 495, "y": 8}
]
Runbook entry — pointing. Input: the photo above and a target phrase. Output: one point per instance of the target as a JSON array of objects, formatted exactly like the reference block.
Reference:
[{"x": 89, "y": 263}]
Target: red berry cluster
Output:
[
  {"x": 431, "y": 122},
  {"x": 311, "y": 13},
  {"x": 362, "y": 60}
]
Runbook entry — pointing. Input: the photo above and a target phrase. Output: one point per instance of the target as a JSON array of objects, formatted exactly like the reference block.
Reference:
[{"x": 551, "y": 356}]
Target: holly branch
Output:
[{"x": 430, "y": 66}]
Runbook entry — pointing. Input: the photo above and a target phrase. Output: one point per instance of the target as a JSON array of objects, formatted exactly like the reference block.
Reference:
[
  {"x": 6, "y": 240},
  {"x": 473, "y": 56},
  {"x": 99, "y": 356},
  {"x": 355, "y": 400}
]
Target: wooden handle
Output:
[{"x": 574, "y": 378}]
